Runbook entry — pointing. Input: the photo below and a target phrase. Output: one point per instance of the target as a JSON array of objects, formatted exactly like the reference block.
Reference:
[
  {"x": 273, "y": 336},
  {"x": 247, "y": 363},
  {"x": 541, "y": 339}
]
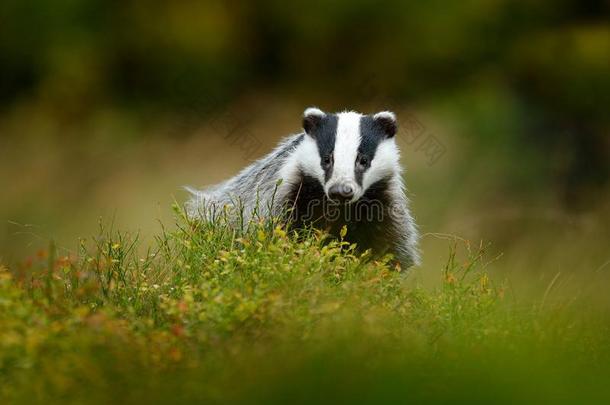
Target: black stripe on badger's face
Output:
[
  {"x": 371, "y": 135},
  {"x": 324, "y": 129}
]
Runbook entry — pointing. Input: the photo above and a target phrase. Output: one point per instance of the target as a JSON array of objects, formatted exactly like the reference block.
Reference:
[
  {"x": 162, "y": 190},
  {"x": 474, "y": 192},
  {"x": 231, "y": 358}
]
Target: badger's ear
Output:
[
  {"x": 312, "y": 118},
  {"x": 387, "y": 122}
]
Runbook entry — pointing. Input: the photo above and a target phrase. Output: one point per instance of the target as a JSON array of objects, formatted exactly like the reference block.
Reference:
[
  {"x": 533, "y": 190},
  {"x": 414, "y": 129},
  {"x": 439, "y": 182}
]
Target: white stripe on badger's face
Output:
[
  {"x": 305, "y": 159},
  {"x": 347, "y": 142},
  {"x": 385, "y": 163},
  {"x": 308, "y": 157}
]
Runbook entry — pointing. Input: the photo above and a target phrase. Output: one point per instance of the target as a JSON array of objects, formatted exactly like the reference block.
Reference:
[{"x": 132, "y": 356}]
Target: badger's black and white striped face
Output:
[{"x": 348, "y": 152}]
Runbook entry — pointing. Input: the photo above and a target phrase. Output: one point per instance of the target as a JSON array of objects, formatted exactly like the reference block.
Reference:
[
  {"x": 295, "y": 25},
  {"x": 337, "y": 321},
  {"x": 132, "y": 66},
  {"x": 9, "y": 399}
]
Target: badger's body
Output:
[{"x": 342, "y": 170}]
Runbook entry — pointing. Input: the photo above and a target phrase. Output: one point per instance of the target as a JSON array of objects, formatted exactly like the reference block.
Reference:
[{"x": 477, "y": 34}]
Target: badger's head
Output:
[{"x": 348, "y": 152}]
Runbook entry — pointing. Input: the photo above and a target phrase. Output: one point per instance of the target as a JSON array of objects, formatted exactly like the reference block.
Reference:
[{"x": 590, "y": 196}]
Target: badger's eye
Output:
[
  {"x": 327, "y": 160},
  {"x": 362, "y": 162}
]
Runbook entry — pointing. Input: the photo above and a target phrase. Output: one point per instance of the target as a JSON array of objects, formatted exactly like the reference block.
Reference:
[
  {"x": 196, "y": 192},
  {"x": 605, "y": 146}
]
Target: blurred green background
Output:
[{"x": 107, "y": 108}]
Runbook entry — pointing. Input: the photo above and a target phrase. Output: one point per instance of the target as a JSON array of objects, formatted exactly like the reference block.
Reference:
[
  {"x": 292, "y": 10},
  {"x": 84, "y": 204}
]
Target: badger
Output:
[{"x": 340, "y": 174}]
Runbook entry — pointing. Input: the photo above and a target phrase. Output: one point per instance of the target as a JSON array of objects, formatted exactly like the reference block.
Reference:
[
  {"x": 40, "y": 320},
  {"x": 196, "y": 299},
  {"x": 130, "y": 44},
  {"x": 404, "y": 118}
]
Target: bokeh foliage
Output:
[{"x": 543, "y": 67}]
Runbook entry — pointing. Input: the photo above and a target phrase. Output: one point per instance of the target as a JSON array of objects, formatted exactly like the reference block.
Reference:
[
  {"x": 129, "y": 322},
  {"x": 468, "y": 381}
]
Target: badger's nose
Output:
[{"x": 341, "y": 192}]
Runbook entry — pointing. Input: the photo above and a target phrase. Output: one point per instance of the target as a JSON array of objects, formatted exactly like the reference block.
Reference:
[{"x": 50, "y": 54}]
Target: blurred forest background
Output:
[{"x": 108, "y": 108}]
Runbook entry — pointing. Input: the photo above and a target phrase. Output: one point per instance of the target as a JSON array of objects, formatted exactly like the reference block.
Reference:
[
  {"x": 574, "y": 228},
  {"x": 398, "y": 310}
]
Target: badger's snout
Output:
[{"x": 341, "y": 192}]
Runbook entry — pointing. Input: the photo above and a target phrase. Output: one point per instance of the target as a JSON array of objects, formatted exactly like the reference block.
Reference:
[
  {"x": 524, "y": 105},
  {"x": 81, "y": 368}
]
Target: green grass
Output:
[{"x": 210, "y": 314}]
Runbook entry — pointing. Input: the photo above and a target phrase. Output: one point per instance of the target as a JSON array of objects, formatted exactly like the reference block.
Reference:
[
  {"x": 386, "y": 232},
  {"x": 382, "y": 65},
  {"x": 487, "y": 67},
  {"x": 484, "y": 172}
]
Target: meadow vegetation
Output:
[{"x": 262, "y": 315}]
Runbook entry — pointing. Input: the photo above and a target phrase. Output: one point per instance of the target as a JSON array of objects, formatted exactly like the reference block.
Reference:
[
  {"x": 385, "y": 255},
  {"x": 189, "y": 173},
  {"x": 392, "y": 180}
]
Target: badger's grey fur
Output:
[{"x": 342, "y": 170}]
